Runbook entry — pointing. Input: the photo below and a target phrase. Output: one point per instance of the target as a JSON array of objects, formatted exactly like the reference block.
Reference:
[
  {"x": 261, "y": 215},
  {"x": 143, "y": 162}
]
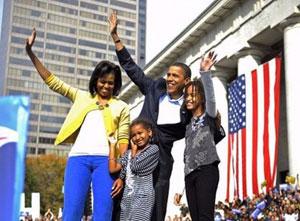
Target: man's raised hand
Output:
[{"x": 113, "y": 23}]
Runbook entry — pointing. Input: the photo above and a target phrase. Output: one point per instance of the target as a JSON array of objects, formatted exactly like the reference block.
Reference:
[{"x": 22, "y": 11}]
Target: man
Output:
[{"x": 162, "y": 107}]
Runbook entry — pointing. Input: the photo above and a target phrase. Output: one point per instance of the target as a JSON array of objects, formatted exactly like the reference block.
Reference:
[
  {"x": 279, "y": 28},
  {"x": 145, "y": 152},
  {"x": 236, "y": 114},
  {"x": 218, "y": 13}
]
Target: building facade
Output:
[
  {"x": 72, "y": 37},
  {"x": 244, "y": 34}
]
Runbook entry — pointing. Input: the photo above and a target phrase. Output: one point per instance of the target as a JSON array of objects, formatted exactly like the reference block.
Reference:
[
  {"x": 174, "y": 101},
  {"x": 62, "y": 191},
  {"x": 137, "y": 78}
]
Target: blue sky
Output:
[{"x": 165, "y": 20}]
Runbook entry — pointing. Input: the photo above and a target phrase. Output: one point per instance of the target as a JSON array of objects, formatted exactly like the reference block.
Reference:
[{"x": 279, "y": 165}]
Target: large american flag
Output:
[{"x": 253, "y": 117}]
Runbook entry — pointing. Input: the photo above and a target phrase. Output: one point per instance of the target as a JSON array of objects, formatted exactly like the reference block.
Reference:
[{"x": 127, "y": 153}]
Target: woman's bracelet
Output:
[{"x": 112, "y": 159}]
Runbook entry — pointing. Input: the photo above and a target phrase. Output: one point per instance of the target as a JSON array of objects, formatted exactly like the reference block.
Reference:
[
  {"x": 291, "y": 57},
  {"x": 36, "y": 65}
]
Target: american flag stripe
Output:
[
  {"x": 253, "y": 130},
  {"x": 266, "y": 123},
  {"x": 228, "y": 166},
  {"x": 244, "y": 163},
  {"x": 237, "y": 163}
]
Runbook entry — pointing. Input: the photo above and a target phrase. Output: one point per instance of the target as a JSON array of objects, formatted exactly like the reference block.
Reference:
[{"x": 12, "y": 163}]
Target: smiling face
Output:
[
  {"x": 140, "y": 135},
  {"x": 176, "y": 81},
  {"x": 193, "y": 99},
  {"x": 105, "y": 86}
]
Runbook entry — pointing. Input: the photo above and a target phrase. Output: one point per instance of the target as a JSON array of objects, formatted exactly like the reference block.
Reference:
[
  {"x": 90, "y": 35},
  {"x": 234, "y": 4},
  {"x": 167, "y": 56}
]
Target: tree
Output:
[{"x": 44, "y": 174}]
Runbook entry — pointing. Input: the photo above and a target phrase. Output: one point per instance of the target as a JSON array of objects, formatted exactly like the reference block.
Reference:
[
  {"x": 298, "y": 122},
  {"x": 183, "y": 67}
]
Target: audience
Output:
[{"x": 277, "y": 205}]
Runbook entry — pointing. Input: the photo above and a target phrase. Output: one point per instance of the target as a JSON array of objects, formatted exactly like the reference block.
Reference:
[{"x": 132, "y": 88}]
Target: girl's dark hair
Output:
[
  {"x": 103, "y": 68},
  {"x": 186, "y": 69},
  {"x": 146, "y": 124},
  {"x": 198, "y": 88}
]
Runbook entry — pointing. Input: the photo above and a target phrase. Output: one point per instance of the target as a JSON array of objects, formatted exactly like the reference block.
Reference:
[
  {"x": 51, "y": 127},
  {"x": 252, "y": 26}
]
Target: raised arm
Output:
[
  {"x": 53, "y": 82},
  {"x": 134, "y": 72},
  {"x": 206, "y": 63},
  {"x": 205, "y": 66},
  {"x": 113, "y": 26},
  {"x": 41, "y": 69}
]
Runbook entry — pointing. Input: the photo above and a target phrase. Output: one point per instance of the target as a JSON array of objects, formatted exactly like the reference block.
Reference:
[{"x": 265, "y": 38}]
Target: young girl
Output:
[
  {"x": 137, "y": 166},
  {"x": 200, "y": 155}
]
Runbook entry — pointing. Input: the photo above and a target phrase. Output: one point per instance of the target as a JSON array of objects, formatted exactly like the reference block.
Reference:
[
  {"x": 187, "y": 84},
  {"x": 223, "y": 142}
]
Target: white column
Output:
[
  {"x": 220, "y": 79},
  {"x": 248, "y": 60},
  {"x": 292, "y": 61}
]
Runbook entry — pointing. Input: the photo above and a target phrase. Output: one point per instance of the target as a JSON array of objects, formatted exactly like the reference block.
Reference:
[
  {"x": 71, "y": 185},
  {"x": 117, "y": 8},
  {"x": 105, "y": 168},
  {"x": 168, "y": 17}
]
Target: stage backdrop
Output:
[
  {"x": 253, "y": 120},
  {"x": 14, "y": 113}
]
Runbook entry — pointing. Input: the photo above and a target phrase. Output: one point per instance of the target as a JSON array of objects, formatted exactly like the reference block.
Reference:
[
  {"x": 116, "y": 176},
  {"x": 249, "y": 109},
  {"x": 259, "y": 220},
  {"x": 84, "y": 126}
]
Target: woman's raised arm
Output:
[{"x": 41, "y": 69}]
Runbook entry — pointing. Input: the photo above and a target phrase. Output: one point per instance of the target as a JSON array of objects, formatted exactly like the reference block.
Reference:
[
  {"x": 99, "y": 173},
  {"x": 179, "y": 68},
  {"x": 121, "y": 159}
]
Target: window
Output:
[
  {"x": 92, "y": 6},
  {"x": 70, "y": 2},
  {"x": 123, "y": 4},
  {"x": 92, "y": 44},
  {"x": 28, "y": 22},
  {"x": 61, "y": 38},
  {"x": 93, "y": 35},
  {"x": 52, "y": 119},
  {"x": 41, "y": 151},
  {"x": 62, "y": 19},
  {"x": 31, "y": 150},
  {"x": 46, "y": 140},
  {"x": 20, "y": 61}
]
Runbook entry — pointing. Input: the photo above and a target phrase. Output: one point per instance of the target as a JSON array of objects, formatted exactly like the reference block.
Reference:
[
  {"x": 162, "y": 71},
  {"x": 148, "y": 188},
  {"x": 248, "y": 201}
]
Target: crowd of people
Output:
[{"x": 278, "y": 204}]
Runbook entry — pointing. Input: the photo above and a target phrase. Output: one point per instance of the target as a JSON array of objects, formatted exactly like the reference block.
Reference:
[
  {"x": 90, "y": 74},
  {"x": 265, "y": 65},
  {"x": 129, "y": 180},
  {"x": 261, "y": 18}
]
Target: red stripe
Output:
[
  {"x": 266, "y": 150},
  {"x": 276, "y": 115},
  {"x": 228, "y": 167},
  {"x": 244, "y": 163},
  {"x": 237, "y": 169},
  {"x": 254, "y": 131}
]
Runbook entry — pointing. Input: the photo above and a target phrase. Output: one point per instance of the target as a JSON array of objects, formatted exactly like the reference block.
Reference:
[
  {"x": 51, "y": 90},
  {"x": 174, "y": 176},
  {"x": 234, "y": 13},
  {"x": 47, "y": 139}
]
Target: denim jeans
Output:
[{"x": 79, "y": 173}]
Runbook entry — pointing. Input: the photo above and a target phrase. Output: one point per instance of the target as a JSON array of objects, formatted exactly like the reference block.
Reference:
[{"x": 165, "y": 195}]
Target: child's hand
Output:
[
  {"x": 133, "y": 145},
  {"x": 177, "y": 198},
  {"x": 112, "y": 140},
  {"x": 208, "y": 61},
  {"x": 117, "y": 187}
]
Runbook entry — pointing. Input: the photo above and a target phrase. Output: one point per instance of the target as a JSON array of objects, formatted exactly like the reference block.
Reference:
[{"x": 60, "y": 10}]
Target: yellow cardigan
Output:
[{"x": 115, "y": 114}]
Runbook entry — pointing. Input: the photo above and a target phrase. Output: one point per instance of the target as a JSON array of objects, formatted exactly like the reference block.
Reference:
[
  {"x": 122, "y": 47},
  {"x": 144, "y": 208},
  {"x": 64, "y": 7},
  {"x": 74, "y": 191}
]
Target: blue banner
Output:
[{"x": 14, "y": 116}]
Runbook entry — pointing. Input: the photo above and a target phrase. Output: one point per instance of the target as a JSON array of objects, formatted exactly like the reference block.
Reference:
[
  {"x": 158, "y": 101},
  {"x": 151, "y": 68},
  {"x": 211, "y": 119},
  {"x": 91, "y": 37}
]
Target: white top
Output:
[
  {"x": 290, "y": 217},
  {"x": 92, "y": 137},
  {"x": 169, "y": 110}
]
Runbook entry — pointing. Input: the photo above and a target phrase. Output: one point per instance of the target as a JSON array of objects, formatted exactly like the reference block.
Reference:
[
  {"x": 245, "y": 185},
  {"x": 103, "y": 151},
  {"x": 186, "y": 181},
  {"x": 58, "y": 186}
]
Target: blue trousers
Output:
[{"x": 79, "y": 173}]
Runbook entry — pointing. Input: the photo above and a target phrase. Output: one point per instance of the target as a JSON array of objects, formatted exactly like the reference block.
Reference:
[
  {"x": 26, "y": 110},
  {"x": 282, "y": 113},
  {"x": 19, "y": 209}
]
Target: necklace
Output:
[{"x": 198, "y": 122}]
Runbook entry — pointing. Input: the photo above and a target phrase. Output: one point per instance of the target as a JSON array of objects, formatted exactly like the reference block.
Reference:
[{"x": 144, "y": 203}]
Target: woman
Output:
[{"x": 93, "y": 116}]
